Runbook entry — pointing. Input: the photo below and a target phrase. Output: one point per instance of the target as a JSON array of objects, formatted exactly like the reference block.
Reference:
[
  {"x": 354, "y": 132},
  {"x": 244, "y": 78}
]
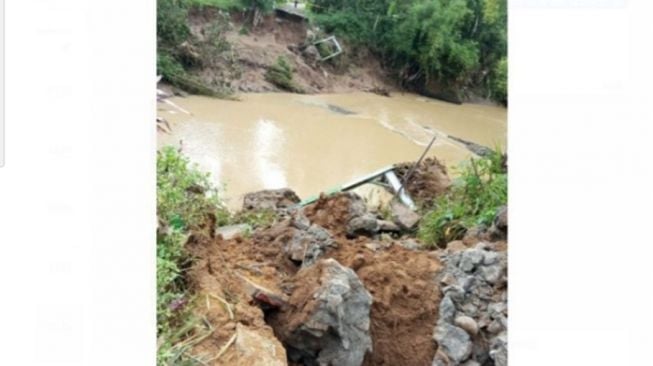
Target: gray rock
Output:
[
  {"x": 271, "y": 199},
  {"x": 365, "y": 224},
  {"x": 467, "y": 323},
  {"x": 491, "y": 274},
  {"x": 499, "y": 350},
  {"x": 471, "y": 363},
  {"x": 336, "y": 329},
  {"x": 404, "y": 216},
  {"x": 490, "y": 258},
  {"x": 447, "y": 309},
  {"x": 470, "y": 258},
  {"x": 385, "y": 225},
  {"x": 306, "y": 246},
  {"x": 448, "y": 279},
  {"x": 300, "y": 221},
  {"x": 454, "y": 341}
]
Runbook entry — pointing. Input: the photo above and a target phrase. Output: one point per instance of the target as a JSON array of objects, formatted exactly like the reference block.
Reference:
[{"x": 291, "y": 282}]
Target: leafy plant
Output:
[
  {"x": 178, "y": 51},
  {"x": 281, "y": 74},
  {"x": 474, "y": 199},
  {"x": 456, "y": 43}
]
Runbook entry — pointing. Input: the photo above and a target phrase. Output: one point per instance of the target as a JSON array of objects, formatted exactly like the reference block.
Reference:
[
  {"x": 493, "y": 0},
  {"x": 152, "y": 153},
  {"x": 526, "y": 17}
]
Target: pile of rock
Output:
[{"x": 472, "y": 324}]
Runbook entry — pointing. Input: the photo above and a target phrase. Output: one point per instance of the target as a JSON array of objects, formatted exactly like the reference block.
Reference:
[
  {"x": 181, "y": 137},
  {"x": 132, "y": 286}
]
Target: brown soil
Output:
[
  {"x": 252, "y": 53},
  {"x": 401, "y": 282},
  {"x": 405, "y": 301},
  {"x": 332, "y": 213},
  {"x": 428, "y": 181}
]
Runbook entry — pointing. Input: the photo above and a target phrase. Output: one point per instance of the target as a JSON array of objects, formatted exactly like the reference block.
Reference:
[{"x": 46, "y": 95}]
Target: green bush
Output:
[
  {"x": 171, "y": 23},
  {"x": 474, "y": 199},
  {"x": 457, "y": 43},
  {"x": 178, "y": 51},
  {"x": 281, "y": 74},
  {"x": 499, "y": 81}
]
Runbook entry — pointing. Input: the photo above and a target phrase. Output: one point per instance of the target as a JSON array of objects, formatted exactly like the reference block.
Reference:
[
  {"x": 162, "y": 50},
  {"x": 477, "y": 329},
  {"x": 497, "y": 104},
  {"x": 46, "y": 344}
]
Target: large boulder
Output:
[{"x": 327, "y": 321}]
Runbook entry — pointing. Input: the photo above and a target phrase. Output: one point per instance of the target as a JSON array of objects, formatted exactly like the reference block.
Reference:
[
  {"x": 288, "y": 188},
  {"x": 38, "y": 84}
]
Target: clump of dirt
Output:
[
  {"x": 254, "y": 275},
  {"x": 332, "y": 213},
  {"x": 427, "y": 182},
  {"x": 405, "y": 301}
]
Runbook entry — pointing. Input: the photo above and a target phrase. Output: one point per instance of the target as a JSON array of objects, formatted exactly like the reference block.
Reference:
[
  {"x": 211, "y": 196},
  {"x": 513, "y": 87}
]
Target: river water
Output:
[{"x": 311, "y": 143}]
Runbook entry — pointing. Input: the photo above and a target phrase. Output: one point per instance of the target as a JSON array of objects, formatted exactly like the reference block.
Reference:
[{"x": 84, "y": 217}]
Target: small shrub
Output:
[
  {"x": 255, "y": 219},
  {"x": 474, "y": 199},
  {"x": 281, "y": 74}
]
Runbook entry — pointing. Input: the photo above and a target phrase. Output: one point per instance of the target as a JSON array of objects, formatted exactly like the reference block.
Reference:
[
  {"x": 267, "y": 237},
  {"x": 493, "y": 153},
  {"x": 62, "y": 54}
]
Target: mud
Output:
[
  {"x": 427, "y": 182},
  {"x": 401, "y": 282}
]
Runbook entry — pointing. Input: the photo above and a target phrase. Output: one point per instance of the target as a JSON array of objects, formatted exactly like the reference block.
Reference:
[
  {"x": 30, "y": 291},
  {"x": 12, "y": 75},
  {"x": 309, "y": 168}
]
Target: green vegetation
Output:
[
  {"x": 179, "y": 52},
  {"x": 474, "y": 199},
  {"x": 280, "y": 74},
  {"x": 461, "y": 44},
  {"x": 185, "y": 202}
]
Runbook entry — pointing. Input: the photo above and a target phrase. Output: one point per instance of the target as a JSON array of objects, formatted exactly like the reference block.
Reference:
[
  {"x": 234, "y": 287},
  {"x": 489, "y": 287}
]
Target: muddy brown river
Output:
[{"x": 311, "y": 143}]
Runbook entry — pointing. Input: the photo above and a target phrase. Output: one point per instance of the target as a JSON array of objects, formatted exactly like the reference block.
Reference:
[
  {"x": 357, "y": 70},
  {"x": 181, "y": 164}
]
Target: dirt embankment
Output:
[{"x": 252, "y": 51}]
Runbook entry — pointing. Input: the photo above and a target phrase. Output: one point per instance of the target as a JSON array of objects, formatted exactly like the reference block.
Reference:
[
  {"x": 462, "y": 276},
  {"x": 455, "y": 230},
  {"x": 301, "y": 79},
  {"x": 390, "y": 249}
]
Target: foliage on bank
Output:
[
  {"x": 186, "y": 201},
  {"x": 474, "y": 199},
  {"x": 281, "y": 75},
  {"x": 461, "y": 44}
]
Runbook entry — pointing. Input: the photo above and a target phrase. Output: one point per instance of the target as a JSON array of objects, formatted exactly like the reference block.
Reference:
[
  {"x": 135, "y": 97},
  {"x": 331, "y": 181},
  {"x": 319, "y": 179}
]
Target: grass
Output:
[
  {"x": 228, "y": 5},
  {"x": 474, "y": 199},
  {"x": 281, "y": 75}
]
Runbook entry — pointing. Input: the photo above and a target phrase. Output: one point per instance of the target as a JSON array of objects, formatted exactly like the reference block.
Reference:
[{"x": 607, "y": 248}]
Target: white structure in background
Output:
[{"x": 333, "y": 41}]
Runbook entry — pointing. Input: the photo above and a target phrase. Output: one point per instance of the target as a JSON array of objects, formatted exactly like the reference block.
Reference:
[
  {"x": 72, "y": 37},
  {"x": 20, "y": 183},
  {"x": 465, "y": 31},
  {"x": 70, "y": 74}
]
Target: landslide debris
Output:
[
  {"x": 428, "y": 181},
  {"x": 345, "y": 300}
]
